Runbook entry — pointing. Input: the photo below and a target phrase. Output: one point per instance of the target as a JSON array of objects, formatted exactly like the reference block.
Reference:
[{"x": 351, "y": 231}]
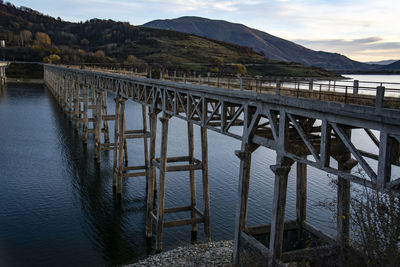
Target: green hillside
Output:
[{"x": 32, "y": 36}]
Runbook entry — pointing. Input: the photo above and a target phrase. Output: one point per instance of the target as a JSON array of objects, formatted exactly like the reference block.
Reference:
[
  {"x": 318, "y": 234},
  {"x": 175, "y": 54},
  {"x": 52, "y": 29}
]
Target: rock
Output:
[{"x": 202, "y": 254}]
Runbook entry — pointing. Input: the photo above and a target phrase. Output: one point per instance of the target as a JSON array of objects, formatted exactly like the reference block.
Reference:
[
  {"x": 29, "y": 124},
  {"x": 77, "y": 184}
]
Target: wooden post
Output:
[
  {"x": 384, "y": 164},
  {"x": 85, "y": 114},
  {"x": 281, "y": 171},
  {"x": 151, "y": 173},
  {"x": 104, "y": 111},
  {"x": 97, "y": 126},
  {"x": 278, "y": 87},
  {"x": 116, "y": 138},
  {"x": 77, "y": 104},
  {"x": 145, "y": 141},
  {"x": 241, "y": 211},
  {"x": 345, "y": 164},
  {"x": 192, "y": 174},
  {"x": 355, "y": 87},
  {"x": 380, "y": 95},
  {"x": 122, "y": 143},
  {"x": 343, "y": 203},
  {"x": 301, "y": 193},
  {"x": 163, "y": 168},
  {"x": 206, "y": 193},
  {"x": 71, "y": 99}
]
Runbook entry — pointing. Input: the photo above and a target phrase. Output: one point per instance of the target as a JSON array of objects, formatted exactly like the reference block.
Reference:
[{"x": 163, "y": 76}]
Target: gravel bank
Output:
[{"x": 203, "y": 254}]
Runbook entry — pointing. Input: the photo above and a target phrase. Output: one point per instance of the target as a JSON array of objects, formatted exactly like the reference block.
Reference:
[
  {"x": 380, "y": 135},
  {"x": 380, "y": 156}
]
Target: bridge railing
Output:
[{"x": 365, "y": 93}]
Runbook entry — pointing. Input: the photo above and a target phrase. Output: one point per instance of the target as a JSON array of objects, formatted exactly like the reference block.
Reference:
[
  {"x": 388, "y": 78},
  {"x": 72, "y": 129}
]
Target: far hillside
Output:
[
  {"x": 272, "y": 46},
  {"x": 32, "y": 36}
]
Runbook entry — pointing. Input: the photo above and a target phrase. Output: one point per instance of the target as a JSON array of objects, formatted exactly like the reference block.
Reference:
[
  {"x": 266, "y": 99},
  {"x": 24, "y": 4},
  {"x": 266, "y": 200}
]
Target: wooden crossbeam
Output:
[
  {"x": 304, "y": 137},
  {"x": 342, "y": 135},
  {"x": 235, "y": 116}
]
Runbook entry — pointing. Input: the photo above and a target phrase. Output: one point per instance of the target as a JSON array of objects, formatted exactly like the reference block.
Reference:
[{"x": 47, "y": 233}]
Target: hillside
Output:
[
  {"x": 32, "y": 36},
  {"x": 394, "y": 65},
  {"x": 272, "y": 46}
]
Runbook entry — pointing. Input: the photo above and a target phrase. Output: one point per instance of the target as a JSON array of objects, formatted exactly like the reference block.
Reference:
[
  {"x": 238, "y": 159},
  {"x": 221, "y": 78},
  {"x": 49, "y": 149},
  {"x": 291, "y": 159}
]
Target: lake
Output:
[{"x": 57, "y": 206}]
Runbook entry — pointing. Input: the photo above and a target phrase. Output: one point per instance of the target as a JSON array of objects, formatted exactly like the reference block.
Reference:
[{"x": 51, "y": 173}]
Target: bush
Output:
[{"x": 376, "y": 219}]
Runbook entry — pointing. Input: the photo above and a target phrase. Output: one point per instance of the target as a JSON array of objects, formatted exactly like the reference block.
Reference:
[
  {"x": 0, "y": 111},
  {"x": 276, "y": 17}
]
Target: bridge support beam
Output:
[
  {"x": 281, "y": 171},
  {"x": 345, "y": 164},
  {"x": 196, "y": 216},
  {"x": 121, "y": 168},
  {"x": 301, "y": 193},
  {"x": 244, "y": 183},
  {"x": 101, "y": 125}
]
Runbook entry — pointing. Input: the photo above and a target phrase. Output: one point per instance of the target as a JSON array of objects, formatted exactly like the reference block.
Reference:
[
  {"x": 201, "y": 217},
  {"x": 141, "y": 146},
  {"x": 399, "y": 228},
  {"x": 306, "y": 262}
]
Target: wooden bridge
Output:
[{"x": 311, "y": 126}]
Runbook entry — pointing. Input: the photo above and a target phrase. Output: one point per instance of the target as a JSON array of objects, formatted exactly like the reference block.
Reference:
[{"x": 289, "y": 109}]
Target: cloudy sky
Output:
[{"x": 364, "y": 30}]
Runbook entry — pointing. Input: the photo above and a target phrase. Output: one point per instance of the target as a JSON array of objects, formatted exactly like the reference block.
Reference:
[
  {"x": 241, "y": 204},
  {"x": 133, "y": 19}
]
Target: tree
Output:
[
  {"x": 52, "y": 59},
  {"x": 376, "y": 217},
  {"x": 42, "y": 38},
  {"x": 241, "y": 69},
  {"x": 25, "y": 36},
  {"x": 99, "y": 53},
  {"x": 85, "y": 42}
]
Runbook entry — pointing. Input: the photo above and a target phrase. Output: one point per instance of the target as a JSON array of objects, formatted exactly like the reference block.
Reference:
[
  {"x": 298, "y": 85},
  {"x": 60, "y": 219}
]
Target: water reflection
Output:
[{"x": 105, "y": 213}]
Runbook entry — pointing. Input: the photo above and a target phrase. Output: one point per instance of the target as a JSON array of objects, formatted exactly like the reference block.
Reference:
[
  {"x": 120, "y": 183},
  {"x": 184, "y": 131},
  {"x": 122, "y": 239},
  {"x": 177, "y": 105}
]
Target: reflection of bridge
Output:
[
  {"x": 306, "y": 127},
  {"x": 3, "y": 78}
]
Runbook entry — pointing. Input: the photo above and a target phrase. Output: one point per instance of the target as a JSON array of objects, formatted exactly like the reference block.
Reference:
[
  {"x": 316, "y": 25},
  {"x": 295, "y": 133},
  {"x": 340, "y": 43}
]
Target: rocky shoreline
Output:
[{"x": 202, "y": 254}]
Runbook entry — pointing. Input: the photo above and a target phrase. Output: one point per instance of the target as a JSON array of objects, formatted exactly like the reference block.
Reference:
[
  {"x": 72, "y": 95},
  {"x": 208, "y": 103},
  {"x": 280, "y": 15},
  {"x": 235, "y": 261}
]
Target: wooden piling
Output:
[
  {"x": 281, "y": 171},
  {"x": 301, "y": 193},
  {"x": 116, "y": 139},
  {"x": 151, "y": 174},
  {"x": 206, "y": 192},
  {"x": 121, "y": 143},
  {"x": 163, "y": 167},
  {"x": 192, "y": 174}
]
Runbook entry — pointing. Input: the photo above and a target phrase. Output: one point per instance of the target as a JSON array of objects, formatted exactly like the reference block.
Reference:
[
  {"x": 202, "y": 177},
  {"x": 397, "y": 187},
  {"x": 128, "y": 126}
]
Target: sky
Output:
[{"x": 363, "y": 30}]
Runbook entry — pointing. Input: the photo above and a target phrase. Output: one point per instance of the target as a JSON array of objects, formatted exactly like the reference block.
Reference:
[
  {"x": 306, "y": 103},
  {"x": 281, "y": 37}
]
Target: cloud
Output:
[{"x": 359, "y": 49}]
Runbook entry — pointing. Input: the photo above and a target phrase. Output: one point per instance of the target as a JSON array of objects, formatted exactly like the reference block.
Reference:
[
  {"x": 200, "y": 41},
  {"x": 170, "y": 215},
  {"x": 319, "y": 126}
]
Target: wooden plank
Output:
[
  {"x": 190, "y": 167},
  {"x": 178, "y": 209},
  {"x": 266, "y": 228},
  {"x": 182, "y": 222},
  {"x": 133, "y": 174},
  {"x": 372, "y": 136}
]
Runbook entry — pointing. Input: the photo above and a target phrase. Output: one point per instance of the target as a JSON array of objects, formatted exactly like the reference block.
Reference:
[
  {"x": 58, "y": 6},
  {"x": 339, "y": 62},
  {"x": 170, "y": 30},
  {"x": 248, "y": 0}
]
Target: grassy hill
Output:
[
  {"x": 32, "y": 36},
  {"x": 273, "y": 47}
]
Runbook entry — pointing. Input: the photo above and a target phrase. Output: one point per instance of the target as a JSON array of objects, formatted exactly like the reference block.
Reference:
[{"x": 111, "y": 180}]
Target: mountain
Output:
[
  {"x": 382, "y": 62},
  {"x": 32, "y": 36},
  {"x": 393, "y": 66},
  {"x": 273, "y": 47}
]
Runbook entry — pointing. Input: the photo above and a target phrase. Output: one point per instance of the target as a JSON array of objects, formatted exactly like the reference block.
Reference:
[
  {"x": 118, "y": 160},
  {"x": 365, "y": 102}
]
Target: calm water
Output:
[{"x": 57, "y": 206}]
